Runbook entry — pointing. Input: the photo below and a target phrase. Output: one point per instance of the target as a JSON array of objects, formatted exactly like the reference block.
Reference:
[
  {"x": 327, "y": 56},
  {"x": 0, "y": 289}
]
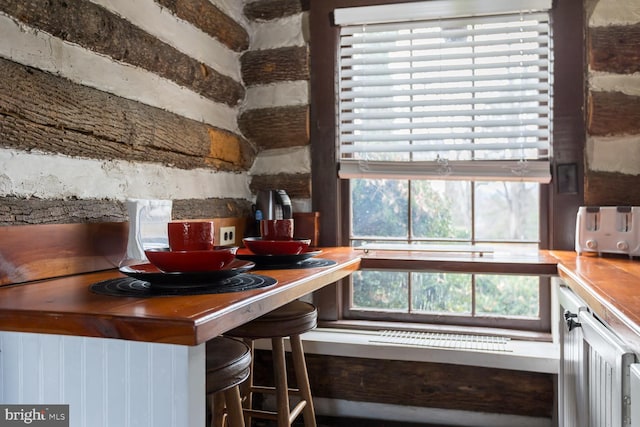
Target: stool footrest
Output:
[
  {"x": 269, "y": 415},
  {"x": 297, "y": 410},
  {"x": 257, "y": 413},
  {"x": 272, "y": 390}
]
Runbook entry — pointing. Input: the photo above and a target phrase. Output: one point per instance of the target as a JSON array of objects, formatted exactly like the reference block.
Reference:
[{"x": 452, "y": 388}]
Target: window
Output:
[
  {"x": 455, "y": 97},
  {"x": 500, "y": 216},
  {"x": 442, "y": 136}
]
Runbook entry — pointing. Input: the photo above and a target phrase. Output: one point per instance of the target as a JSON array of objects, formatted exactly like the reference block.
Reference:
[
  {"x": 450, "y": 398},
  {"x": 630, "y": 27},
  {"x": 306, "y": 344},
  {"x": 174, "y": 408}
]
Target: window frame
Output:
[{"x": 558, "y": 206}]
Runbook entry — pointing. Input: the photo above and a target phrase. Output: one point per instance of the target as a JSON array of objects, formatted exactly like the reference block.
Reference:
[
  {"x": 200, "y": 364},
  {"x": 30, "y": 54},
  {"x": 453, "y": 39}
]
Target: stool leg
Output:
[
  {"x": 280, "y": 377},
  {"x": 302, "y": 378},
  {"x": 246, "y": 388},
  {"x": 217, "y": 409},
  {"x": 234, "y": 407}
]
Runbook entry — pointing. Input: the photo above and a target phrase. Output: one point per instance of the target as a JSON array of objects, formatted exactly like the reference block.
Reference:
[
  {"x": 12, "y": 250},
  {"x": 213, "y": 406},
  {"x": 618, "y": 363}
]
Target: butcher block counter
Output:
[
  {"x": 67, "y": 306},
  {"x": 82, "y": 254},
  {"x": 48, "y": 270},
  {"x": 609, "y": 285}
]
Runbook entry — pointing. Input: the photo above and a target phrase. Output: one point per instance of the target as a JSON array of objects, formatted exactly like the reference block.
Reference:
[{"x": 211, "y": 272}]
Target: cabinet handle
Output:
[{"x": 571, "y": 324}]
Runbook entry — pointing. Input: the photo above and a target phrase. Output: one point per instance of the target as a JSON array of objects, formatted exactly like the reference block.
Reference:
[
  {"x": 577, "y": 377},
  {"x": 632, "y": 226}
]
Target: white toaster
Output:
[{"x": 608, "y": 229}]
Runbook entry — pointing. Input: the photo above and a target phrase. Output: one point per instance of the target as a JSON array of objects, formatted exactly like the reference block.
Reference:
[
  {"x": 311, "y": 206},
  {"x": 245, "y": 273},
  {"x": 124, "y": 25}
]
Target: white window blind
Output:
[{"x": 450, "y": 98}]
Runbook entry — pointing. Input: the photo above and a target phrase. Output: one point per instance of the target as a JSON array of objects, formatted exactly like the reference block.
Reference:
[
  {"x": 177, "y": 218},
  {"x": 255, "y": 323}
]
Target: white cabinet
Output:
[
  {"x": 106, "y": 382},
  {"x": 635, "y": 394},
  {"x": 594, "y": 380},
  {"x": 571, "y": 378}
]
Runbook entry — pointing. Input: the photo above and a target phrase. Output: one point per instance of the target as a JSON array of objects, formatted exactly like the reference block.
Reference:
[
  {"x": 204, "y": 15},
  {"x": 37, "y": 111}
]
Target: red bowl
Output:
[
  {"x": 276, "y": 247},
  {"x": 186, "y": 261}
]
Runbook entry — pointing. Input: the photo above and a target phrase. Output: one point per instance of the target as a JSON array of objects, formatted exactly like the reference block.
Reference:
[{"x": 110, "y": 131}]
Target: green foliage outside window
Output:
[{"x": 438, "y": 212}]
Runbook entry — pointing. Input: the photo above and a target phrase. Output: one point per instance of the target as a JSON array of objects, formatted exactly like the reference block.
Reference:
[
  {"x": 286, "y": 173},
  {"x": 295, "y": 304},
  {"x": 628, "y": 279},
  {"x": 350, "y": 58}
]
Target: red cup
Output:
[
  {"x": 276, "y": 229},
  {"x": 191, "y": 235}
]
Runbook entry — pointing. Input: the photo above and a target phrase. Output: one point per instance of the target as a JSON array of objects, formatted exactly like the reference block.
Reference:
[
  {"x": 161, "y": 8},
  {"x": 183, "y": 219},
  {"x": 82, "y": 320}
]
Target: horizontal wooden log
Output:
[
  {"x": 95, "y": 28},
  {"x": 613, "y": 113},
  {"x": 261, "y": 67},
  {"x": 41, "y": 111},
  {"x": 268, "y": 10},
  {"x": 21, "y": 211},
  {"x": 611, "y": 189},
  {"x": 615, "y": 48},
  {"x": 211, "y": 20},
  {"x": 421, "y": 384},
  {"x": 211, "y": 208},
  {"x": 277, "y": 127},
  {"x": 298, "y": 186}
]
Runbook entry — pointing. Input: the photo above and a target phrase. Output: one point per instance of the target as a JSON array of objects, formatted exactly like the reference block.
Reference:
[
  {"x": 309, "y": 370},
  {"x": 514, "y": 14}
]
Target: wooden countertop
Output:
[
  {"x": 82, "y": 254},
  {"x": 609, "y": 285},
  {"x": 66, "y": 305}
]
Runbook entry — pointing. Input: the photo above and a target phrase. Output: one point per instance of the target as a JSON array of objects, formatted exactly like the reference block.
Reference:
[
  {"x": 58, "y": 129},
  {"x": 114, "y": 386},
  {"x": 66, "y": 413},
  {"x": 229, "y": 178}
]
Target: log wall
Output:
[
  {"x": 115, "y": 99},
  {"x": 277, "y": 68},
  {"x": 613, "y": 107},
  {"x": 101, "y": 101},
  {"x": 423, "y": 384},
  {"x": 146, "y": 131}
]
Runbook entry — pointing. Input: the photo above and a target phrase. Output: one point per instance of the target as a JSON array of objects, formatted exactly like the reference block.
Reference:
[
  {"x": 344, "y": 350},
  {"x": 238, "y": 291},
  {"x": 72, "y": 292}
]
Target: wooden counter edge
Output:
[{"x": 262, "y": 303}]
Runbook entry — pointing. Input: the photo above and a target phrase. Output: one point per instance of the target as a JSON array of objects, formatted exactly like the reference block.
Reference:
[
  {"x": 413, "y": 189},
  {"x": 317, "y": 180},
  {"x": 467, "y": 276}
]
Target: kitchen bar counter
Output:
[
  {"x": 66, "y": 306},
  {"x": 608, "y": 284}
]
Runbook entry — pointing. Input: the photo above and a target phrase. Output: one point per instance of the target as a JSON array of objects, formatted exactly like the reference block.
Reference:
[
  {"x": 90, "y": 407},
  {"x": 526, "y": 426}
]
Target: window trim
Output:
[
  {"x": 434, "y": 9},
  {"x": 558, "y": 209}
]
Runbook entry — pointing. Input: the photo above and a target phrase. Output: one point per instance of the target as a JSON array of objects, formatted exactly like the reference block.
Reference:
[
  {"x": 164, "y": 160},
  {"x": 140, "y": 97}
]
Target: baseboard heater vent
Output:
[{"x": 442, "y": 340}]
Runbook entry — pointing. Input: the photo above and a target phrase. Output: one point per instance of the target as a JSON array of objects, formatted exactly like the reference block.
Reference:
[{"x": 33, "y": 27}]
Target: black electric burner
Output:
[
  {"x": 131, "y": 287},
  {"x": 307, "y": 263}
]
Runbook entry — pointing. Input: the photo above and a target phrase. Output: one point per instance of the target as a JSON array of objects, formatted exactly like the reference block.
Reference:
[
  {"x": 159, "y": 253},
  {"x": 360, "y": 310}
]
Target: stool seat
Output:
[
  {"x": 290, "y": 320},
  {"x": 294, "y": 318},
  {"x": 228, "y": 364}
]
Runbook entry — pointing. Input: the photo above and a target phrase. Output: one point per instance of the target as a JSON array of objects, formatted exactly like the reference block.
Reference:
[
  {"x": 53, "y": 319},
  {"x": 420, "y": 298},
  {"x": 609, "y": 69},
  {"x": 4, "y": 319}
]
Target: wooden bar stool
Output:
[
  {"x": 228, "y": 364},
  {"x": 290, "y": 320}
]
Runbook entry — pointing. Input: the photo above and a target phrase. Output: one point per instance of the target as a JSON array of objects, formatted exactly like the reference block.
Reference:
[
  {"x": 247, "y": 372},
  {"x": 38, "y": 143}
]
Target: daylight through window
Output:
[{"x": 444, "y": 135}]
